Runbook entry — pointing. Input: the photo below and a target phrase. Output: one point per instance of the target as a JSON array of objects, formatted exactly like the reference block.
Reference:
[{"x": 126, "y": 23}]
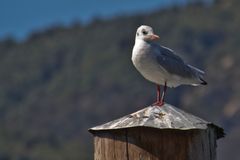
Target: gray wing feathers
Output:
[
  {"x": 173, "y": 64},
  {"x": 196, "y": 69}
]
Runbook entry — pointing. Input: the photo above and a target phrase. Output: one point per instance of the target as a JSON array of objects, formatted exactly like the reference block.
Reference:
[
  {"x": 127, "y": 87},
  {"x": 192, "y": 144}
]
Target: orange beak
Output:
[{"x": 154, "y": 37}]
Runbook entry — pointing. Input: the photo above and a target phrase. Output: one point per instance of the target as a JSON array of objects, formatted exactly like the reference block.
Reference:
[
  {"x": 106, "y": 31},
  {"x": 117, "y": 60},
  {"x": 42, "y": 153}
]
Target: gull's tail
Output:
[
  {"x": 199, "y": 75},
  {"x": 203, "y": 81}
]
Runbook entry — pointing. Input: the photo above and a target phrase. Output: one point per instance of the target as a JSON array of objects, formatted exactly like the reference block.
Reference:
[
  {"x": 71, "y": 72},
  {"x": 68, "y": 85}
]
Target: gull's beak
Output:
[{"x": 154, "y": 37}]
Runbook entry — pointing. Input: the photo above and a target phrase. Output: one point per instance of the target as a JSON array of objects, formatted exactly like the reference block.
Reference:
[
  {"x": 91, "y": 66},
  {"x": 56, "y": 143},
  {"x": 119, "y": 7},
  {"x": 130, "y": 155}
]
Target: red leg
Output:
[
  {"x": 158, "y": 93},
  {"x": 159, "y": 100},
  {"x": 164, "y": 92}
]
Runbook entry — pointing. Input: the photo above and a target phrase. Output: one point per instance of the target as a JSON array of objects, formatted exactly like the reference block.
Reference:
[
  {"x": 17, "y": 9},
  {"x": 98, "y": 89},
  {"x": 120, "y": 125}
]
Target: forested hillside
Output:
[{"x": 64, "y": 80}]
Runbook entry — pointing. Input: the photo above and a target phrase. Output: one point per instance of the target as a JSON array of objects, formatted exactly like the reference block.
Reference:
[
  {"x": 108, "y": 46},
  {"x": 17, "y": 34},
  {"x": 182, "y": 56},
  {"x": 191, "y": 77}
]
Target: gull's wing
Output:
[{"x": 173, "y": 64}]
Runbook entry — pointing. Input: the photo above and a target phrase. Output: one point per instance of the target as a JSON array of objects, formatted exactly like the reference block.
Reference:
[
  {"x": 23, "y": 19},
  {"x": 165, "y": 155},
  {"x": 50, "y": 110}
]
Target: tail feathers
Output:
[
  {"x": 203, "y": 82},
  {"x": 199, "y": 73}
]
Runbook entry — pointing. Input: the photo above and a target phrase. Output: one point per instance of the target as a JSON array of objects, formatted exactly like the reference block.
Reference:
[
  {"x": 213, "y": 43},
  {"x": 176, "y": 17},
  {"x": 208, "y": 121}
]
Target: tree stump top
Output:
[{"x": 164, "y": 117}]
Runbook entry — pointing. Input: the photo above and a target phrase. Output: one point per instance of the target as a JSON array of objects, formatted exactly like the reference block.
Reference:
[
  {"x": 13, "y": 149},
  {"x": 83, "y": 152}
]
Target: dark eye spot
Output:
[{"x": 144, "y": 32}]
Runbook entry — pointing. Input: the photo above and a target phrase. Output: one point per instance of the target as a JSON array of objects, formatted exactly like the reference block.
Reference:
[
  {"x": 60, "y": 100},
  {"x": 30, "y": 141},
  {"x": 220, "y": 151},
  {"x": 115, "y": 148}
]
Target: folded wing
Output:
[{"x": 173, "y": 64}]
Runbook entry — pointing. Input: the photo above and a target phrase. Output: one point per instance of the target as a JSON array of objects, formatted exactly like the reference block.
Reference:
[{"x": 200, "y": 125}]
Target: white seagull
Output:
[{"x": 162, "y": 65}]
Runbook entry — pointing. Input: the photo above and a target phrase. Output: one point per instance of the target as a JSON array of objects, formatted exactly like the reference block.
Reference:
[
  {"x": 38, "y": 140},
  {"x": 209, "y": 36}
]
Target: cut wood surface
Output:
[{"x": 164, "y": 117}]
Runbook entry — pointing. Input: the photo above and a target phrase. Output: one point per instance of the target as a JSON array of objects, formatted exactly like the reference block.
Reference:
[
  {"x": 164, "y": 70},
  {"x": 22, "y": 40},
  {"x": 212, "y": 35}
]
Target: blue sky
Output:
[{"x": 18, "y": 18}]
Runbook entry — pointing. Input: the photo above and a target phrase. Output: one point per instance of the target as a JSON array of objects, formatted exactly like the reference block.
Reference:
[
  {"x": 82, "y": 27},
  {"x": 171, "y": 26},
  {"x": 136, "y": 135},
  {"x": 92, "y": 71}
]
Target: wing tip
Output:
[{"x": 203, "y": 82}]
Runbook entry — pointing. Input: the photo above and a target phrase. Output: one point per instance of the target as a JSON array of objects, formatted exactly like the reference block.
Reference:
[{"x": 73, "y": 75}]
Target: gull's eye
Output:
[{"x": 144, "y": 32}]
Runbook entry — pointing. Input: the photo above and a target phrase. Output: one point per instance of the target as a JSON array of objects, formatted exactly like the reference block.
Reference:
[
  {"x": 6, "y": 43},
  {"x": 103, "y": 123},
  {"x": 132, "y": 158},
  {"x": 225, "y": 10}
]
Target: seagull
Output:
[{"x": 162, "y": 65}]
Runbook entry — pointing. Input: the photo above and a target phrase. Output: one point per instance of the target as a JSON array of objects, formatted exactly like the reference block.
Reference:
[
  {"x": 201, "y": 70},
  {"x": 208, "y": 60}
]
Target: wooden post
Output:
[{"x": 156, "y": 133}]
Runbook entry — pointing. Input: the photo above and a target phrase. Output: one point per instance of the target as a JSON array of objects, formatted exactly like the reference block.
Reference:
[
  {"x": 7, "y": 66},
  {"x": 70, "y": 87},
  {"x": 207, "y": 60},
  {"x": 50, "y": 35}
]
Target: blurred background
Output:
[{"x": 65, "y": 66}]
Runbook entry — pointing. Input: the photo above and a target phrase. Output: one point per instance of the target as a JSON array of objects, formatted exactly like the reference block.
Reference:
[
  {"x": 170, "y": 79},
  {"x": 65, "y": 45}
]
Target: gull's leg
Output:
[
  {"x": 164, "y": 92},
  {"x": 158, "y": 93},
  {"x": 159, "y": 100}
]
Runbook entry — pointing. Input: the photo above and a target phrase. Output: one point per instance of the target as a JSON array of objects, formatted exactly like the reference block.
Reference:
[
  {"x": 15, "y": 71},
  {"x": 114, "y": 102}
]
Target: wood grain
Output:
[{"x": 143, "y": 143}]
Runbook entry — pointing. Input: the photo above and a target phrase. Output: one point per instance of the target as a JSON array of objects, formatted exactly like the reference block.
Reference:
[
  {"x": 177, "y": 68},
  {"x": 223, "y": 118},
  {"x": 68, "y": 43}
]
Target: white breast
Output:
[{"x": 145, "y": 62}]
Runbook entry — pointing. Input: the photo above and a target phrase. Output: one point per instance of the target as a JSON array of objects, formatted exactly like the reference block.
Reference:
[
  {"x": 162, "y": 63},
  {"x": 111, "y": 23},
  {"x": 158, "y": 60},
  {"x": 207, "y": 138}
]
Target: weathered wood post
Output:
[{"x": 156, "y": 133}]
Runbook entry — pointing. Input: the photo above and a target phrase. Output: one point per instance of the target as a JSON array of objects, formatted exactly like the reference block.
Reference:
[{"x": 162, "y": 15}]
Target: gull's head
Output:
[{"x": 146, "y": 33}]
